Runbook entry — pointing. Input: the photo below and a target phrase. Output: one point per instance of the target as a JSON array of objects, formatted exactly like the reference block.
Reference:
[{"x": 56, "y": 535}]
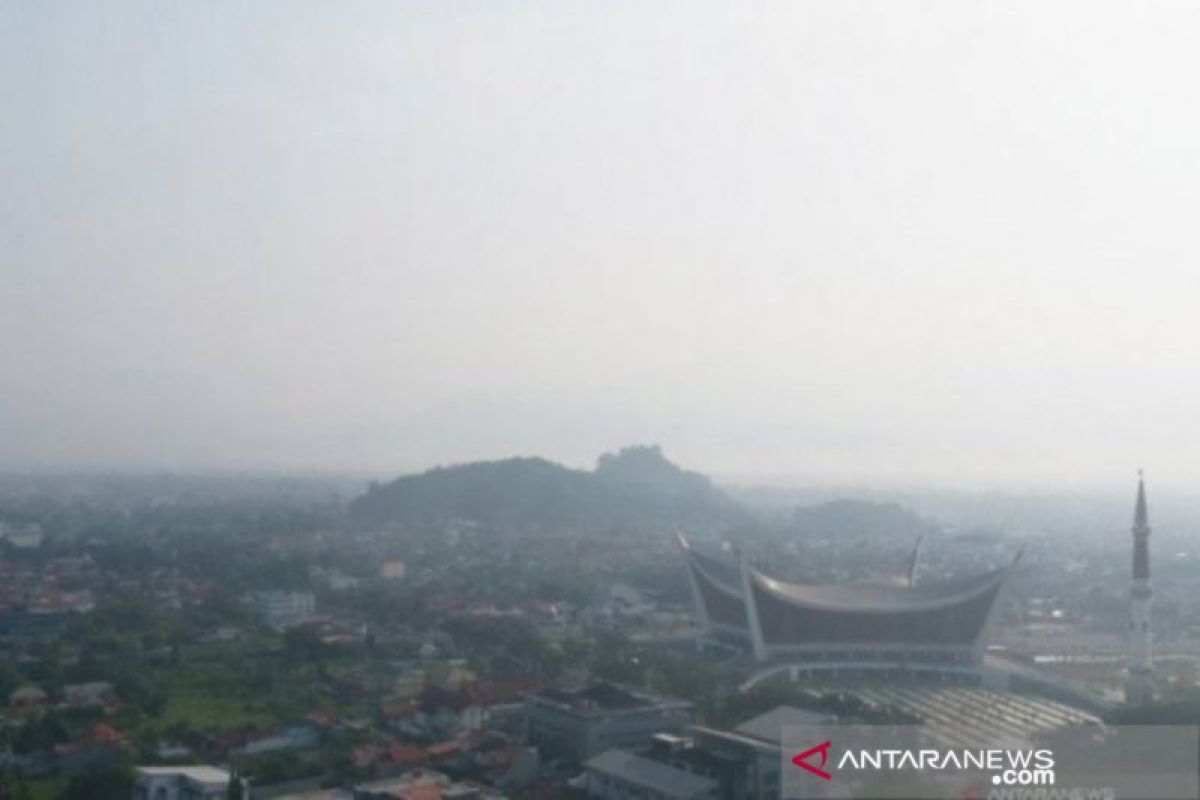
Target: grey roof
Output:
[
  {"x": 598, "y": 696},
  {"x": 848, "y": 597},
  {"x": 880, "y": 597},
  {"x": 607, "y": 697},
  {"x": 769, "y": 726},
  {"x": 659, "y": 778},
  {"x": 204, "y": 774}
]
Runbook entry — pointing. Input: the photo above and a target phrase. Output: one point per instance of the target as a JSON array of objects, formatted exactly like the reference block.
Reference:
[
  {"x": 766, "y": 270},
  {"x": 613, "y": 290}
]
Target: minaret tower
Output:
[{"x": 1139, "y": 691}]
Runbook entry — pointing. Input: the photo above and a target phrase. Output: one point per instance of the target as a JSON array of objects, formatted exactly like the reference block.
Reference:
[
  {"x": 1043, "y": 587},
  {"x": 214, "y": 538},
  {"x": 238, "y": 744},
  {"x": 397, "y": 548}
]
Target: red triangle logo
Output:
[{"x": 802, "y": 760}]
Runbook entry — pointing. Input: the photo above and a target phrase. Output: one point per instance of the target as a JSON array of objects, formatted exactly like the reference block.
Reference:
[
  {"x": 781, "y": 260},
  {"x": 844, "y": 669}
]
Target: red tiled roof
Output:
[
  {"x": 319, "y": 718},
  {"x": 364, "y": 756},
  {"x": 445, "y": 748},
  {"x": 407, "y": 754},
  {"x": 103, "y": 732}
]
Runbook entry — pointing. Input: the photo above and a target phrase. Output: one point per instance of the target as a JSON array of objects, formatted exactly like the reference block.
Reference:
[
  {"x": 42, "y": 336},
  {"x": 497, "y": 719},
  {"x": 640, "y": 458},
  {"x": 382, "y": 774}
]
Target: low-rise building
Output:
[
  {"x": 577, "y": 725},
  {"x": 182, "y": 783},
  {"x": 739, "y": 764},
  {"x": 423, "y": 785},
  {"x": 282, "y": 610},
  {"x": 622, "y": 775},
  {"x": 27, "y": 699},
  {"x": 95, "y": 694},
  {"x": 744, "y": 762}
]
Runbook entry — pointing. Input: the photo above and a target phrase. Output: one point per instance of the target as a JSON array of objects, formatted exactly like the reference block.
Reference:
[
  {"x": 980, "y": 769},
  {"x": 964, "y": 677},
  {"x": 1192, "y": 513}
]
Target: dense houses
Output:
[
  {"x": 679, "y": 761},
  {"x": 412, "y": 663},
  {"x": 37, "y": 597}
]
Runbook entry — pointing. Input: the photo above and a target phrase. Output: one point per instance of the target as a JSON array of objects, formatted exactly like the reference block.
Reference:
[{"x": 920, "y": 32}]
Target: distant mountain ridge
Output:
[{"x": 636, "y": 486}]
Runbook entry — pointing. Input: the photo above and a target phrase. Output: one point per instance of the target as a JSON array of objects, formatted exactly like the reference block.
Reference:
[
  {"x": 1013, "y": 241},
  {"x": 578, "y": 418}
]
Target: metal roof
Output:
[
  {"x": 880, "y": 597},
  {"x": 662, "y": 779}
]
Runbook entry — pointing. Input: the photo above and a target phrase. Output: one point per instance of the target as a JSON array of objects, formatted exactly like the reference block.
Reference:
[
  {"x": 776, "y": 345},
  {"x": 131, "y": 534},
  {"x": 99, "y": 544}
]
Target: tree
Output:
[
  {"x": 235, "y": 790},
  {"x": 100, "y": 783},
  {"x": 10, "y": 680},
  {"x": 40, "y": 733},
  {"x": 13, "y": 787}
]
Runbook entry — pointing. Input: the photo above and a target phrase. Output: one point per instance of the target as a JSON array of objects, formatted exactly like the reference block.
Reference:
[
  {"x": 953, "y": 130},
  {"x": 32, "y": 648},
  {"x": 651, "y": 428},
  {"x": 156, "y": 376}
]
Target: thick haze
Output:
[{"x": 891, "y": 241}]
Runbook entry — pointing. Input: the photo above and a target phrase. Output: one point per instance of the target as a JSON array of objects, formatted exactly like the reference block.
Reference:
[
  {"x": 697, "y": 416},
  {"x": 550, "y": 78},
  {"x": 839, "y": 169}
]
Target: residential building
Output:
[
  {"x": 578, "y": 725},
  {"x": 622, "y": 775},
  {"x": 282, "y": 610},
  {"x": 182, "y": 783}
]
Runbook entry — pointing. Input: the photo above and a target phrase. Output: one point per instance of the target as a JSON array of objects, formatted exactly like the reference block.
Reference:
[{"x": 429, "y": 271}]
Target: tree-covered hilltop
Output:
[
  {"x": 645, "y": 466},
  {"x": 636, "y": 486}
]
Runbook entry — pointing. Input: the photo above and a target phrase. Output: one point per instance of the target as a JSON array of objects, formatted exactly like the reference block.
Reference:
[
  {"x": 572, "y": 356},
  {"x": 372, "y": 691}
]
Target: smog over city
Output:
[{"x": 593, "y": 400}]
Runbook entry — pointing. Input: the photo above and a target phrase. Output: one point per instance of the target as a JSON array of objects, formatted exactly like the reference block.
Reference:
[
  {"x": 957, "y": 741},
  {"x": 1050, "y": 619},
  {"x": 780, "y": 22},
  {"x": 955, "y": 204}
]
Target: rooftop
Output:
[
  {"x": 659, "y": 778},
  {"x": 604, "y": 697},
  {"x": 880, "y": 597},
  {"x": 769, "y": 726},
  {"x": 198, "y": 773}
]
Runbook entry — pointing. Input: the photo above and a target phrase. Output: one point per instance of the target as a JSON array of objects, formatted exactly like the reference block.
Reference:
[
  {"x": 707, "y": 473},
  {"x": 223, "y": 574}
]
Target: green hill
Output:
[{"x": 635, "y": 487}]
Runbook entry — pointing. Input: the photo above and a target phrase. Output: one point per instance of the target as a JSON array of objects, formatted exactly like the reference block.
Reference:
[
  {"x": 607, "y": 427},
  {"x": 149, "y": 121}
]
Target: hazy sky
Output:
[{"x": 951, "y": 242}]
